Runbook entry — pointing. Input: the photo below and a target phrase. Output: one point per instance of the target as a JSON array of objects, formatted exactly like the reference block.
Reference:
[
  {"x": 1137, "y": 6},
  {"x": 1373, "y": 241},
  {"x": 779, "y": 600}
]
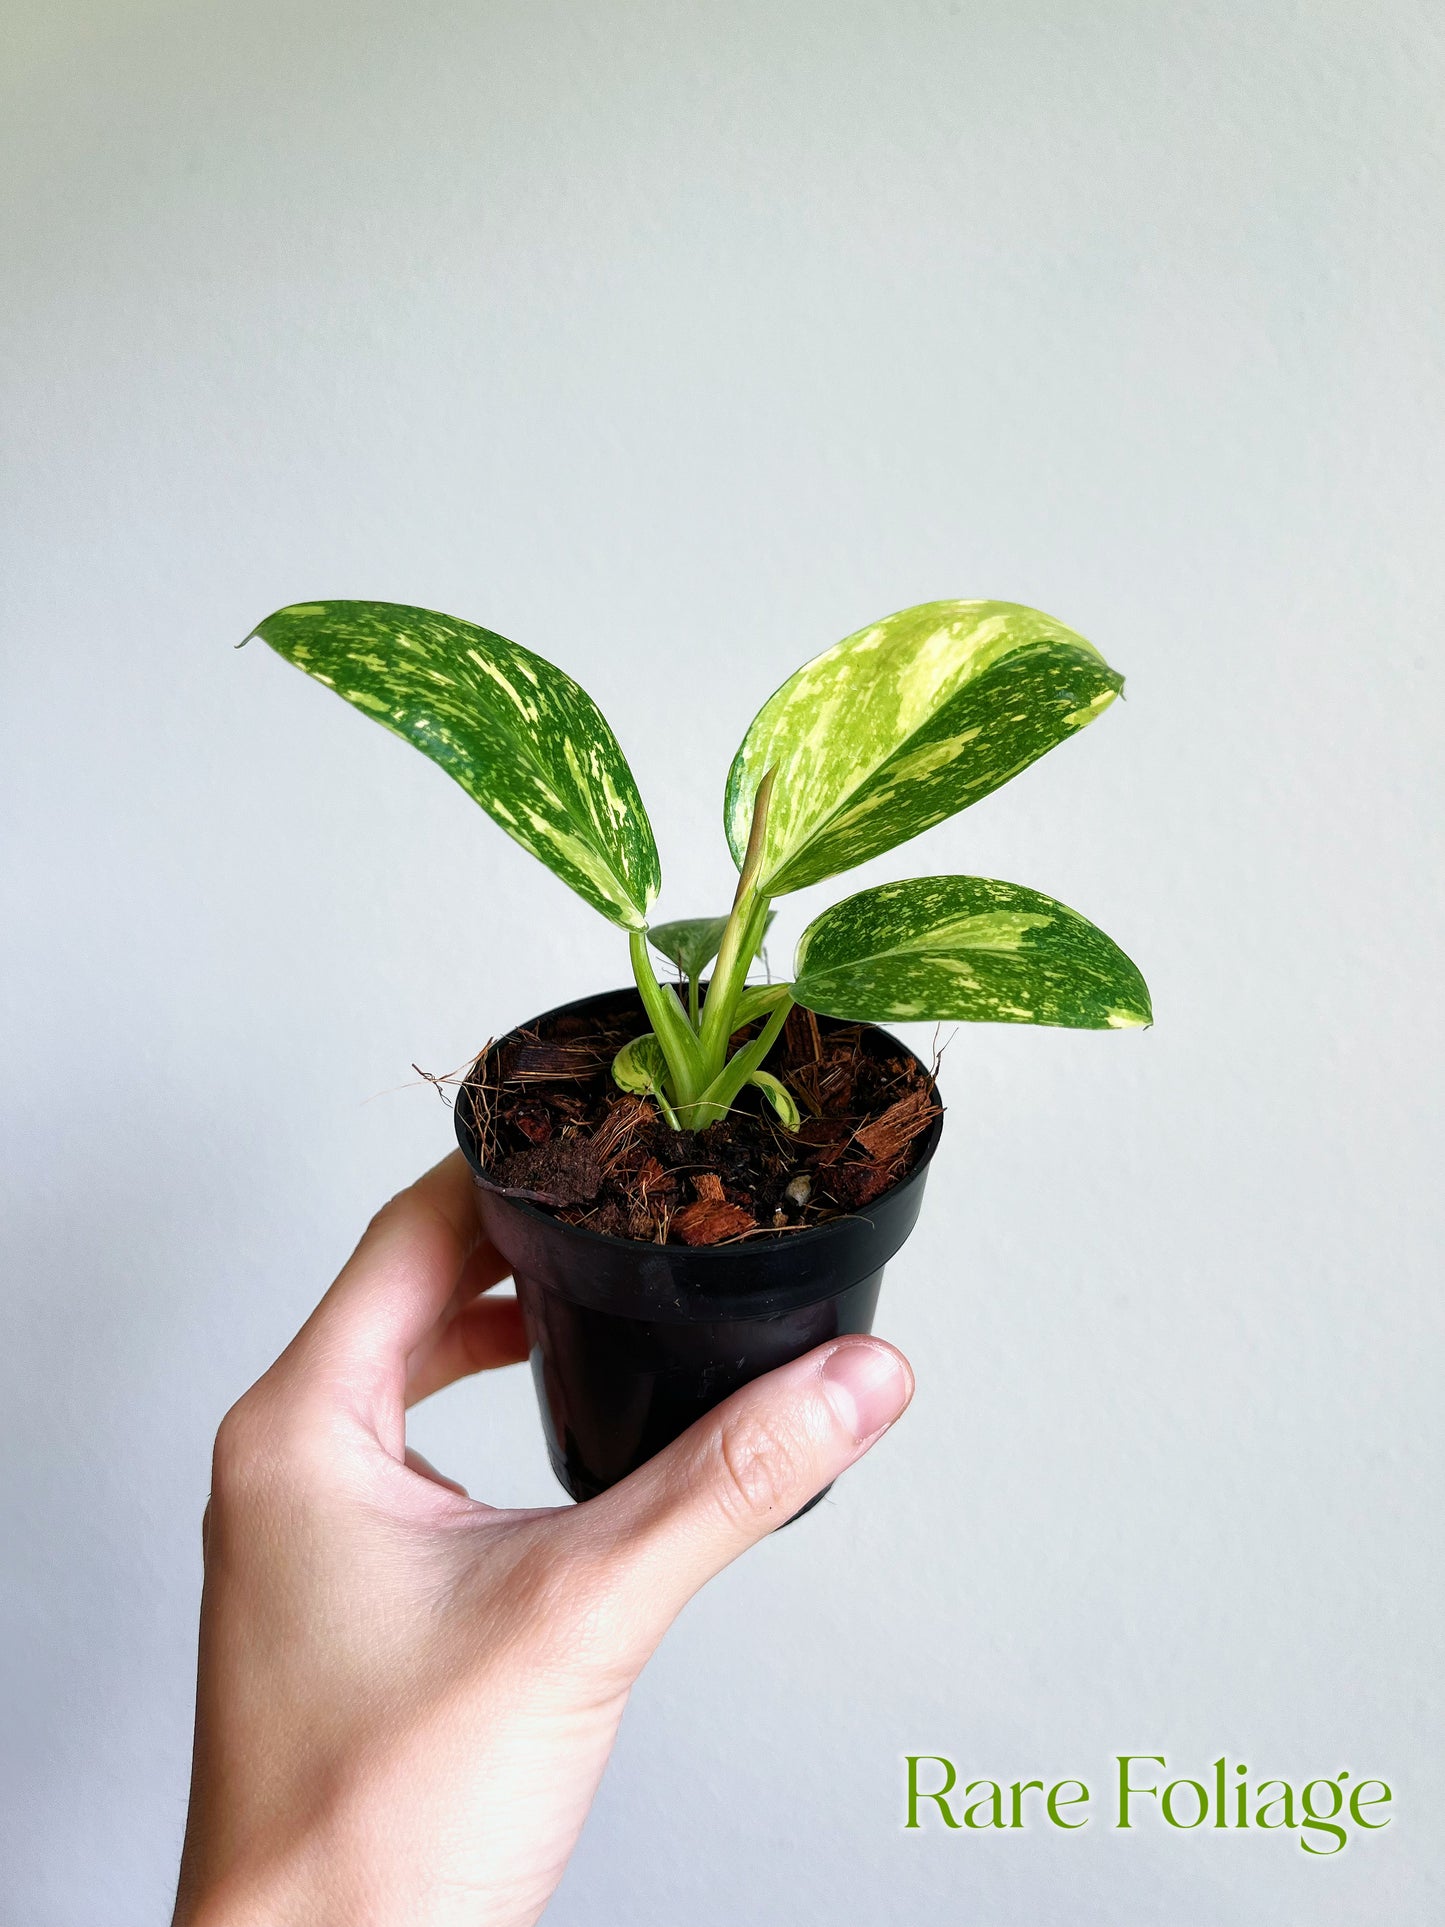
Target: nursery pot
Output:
[{"x": 631, "y": 1342}]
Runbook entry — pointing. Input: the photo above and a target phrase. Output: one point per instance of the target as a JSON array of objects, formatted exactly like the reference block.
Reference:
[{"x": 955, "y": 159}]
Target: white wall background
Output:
[{"x": 675, "y": 341}]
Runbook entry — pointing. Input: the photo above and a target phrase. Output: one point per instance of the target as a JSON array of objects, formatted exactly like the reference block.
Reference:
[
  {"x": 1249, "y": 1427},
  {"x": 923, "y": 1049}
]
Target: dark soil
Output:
[{"x": 553, "y": 1128}]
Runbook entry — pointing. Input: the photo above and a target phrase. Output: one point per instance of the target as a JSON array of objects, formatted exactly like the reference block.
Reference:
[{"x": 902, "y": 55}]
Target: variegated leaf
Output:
[
  {"x": 521, "y": 738},
  {"x": 966, "y": 948},
  {"x": 902, "y": 725},
  {"x": 780, "y": 1097},
  {"x": 640, "y": 1066}
]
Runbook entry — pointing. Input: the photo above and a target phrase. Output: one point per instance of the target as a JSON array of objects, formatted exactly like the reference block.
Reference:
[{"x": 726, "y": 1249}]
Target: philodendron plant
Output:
[{"x": 885, "y": 734}]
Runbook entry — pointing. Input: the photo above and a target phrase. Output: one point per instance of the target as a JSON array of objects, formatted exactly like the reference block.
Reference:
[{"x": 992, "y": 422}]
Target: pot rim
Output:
[{"x": 766, "y": 1238}]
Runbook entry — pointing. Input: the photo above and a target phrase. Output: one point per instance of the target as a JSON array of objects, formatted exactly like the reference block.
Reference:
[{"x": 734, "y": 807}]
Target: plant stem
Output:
[
  {"x": 734, "y": 959},
  {"x": 701, "y": 1080},
  {"x": 674, "y": 1033},
  {"x": 739, "y": 945},
  {"x": 717, "y": 1099}
]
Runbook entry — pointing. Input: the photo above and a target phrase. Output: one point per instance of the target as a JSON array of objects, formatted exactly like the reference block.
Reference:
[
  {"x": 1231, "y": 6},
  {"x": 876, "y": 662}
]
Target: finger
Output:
[
  {"x": 401, "y": 1279},
  {"x": 475, "y": 1339},
  {"x": 743, "y": 1470},
  {"x": 428, "y": 1471},
  {"x": 483, "y": 1269}
]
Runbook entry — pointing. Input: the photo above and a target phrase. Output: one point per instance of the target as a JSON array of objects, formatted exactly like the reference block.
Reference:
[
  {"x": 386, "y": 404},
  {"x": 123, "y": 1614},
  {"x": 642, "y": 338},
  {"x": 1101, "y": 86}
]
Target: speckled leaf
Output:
[
  {"x": 520, "y": 737},
  {"x": 966, "y": 948},
  {"x": 902, "y": 725}
]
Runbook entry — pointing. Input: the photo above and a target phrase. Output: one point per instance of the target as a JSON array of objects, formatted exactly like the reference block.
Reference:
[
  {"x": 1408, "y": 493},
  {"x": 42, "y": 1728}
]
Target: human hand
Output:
[{"x": 406, "y": 1698}]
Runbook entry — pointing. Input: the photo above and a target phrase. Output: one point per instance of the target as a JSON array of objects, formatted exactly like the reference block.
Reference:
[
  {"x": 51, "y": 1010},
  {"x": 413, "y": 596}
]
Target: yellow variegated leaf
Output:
[
  {"x": 780, "y": 1097},
  {"x": 521, "y": 738},
  {"x": 966, "y": 948},
  {"x": 640, "y": 1066},
  {"x": 902, "y": 725}
]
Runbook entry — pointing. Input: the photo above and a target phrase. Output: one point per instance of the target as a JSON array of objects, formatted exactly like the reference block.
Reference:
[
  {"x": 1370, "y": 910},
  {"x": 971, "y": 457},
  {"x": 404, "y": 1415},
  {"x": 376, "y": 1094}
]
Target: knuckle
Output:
[
  {"x": 383, "y": 1214},
  {"x": 237, "y": 1438},
  {"x": 254, "y": 1444},
  {"x": 762, "y": 1467},
  {"x": 402, "y": 1206}
]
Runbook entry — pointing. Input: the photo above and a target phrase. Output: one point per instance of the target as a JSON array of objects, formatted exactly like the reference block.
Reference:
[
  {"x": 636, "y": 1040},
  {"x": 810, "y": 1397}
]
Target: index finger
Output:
[{"x": 393, "y": 1290}]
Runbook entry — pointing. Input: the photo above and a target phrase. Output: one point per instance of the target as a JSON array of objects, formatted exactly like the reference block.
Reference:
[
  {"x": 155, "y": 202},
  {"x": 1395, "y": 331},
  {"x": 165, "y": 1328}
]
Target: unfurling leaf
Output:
[
  {"x": 966, "y": 948},
  {"x": 521, "y": 738},
  {"x": 902, "y": 725},
  {"x": 779, "y": 1096},
  {"x": 690, "y": 944}
]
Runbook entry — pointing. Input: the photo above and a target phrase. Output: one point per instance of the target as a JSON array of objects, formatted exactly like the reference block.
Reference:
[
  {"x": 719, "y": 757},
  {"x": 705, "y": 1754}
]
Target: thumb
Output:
[{"x": 742, "y": 1471}]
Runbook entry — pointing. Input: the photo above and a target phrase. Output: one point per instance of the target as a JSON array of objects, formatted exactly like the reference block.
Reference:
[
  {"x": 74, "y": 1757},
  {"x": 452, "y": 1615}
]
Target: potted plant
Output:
[{"x": 696, "y": 1181}]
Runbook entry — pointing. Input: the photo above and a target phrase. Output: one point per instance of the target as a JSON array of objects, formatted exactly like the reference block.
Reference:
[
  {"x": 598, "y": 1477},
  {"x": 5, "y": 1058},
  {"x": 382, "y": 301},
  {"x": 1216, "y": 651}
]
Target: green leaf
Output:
[
  {"x": 966, "y": 948},
  {"x": 521, "y": 738},
  {"x": 756, "y": 1000},
  {"x": 779, "y": 1096},
  {"x": 902, "y": 725},
  {"x": 717, "y": 1099},
  {"x": 690, "y": 944}
]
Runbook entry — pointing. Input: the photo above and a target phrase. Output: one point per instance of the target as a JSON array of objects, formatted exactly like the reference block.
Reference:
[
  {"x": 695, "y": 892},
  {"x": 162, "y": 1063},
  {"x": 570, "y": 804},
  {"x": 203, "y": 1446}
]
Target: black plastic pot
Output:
[{"x": 631, "y": 1342}]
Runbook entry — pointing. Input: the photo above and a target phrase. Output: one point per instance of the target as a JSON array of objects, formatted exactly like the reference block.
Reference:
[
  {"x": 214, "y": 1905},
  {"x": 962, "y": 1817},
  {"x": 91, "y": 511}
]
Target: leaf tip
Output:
[
  {"x": 1077, "y": 718},
  {"x": 1129, "y": 1019}
]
